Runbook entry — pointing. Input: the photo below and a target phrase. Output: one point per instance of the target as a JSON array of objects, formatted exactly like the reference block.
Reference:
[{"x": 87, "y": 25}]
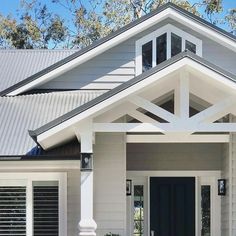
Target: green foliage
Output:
[
  {"x": 38, "y": 27},
  {"x": 111, "y": 234},
  {"x": 231, "y": 19}
]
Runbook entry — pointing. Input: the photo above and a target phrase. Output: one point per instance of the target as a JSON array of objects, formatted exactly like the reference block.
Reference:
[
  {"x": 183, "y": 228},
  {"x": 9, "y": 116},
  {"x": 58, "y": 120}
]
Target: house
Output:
[{"x": 133, "y": 135}]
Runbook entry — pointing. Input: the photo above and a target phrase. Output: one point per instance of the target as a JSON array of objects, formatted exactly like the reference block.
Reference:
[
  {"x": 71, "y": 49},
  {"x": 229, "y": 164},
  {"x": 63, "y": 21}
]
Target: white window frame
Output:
[
  {"x": 26, "y": 179},
  {"x": 168, "y": 29},
  {"x": 201, "y": 178}
]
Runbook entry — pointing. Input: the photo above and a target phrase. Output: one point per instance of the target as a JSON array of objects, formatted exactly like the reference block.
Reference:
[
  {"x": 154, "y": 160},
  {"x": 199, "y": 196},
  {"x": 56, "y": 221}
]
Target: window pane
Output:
[
  {"x": 147, "y": 56},
  {"x": 45, "y": 208},
  {"x": 176, "y": 44},
  {"x": 13, "y": 211},
  {"x": 206, "y": 210},
  {"x": 190, "y": 46},
  {"x": 161, "y": 48},
  {"x": 138, "y": 210}
]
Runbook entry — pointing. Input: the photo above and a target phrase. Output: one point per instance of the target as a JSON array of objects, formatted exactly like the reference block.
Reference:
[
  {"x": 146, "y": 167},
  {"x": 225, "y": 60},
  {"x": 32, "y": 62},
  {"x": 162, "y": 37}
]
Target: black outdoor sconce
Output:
[
  {"x": 86, "y": 162},
  {"x": 222, "y": 187}
]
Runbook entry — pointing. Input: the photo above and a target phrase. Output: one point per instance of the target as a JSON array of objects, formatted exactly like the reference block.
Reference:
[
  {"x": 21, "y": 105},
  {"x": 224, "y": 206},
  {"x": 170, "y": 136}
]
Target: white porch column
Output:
[{"x": 87, "y": 226}]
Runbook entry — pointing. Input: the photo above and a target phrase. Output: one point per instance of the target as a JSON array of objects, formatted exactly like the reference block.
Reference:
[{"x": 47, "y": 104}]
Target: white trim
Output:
[
  {"x": 205, "y": 138},
  {"x": 174, "y": 127},
  {"x": 153, "y": 108},
  {"x": 201, "y": 177},
  {"x": 211, "y": 33},
  {"x": 29, "y": 177},
  {"x": 168, "y": 29},
  {"x": 38, "y": 165}
]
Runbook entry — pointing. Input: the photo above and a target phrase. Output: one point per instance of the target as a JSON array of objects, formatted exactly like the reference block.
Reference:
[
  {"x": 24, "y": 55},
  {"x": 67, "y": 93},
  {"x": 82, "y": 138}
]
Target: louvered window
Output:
[
  {"x": 12, "y": 210},
  {"x": 33, "y": 204},
  {"x": 45, "y": 210}
]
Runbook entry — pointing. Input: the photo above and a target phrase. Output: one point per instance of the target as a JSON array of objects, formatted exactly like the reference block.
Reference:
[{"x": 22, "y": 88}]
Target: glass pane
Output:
[
  {"x": 161, "y": 48},
  {"x": 46, "y": 208},
  {"x": 176, "y": 44},
  {"x": 206, "y": 210},
  {"x": 138, "y": 210},
  {"x": 190, "y": 46},
  {"x": 147, "y": 56}
]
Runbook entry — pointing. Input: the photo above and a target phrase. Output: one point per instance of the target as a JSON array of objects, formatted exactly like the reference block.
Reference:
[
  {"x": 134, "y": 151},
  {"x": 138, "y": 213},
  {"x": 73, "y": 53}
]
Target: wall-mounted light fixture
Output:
[
  {"x": 86, "y": 162},
  {"x": 221, "y": 187}
]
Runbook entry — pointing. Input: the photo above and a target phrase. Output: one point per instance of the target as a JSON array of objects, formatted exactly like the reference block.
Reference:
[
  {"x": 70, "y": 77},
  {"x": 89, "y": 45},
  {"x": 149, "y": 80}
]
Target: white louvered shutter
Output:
[
  {"x": 46, "y": 211},
  {"x": 12, "y": 211}
]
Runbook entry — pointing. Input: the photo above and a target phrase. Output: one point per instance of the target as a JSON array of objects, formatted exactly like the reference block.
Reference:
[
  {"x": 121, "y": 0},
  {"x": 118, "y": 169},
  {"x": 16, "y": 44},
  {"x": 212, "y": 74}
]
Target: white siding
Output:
[
  {"x": 225, "y": 200},
  {"x": 106, "y": 71},
  {"x": 233, "y": 180},
  {"x": 174, "y": 156},
  {"x": 73, "y": 202},
  {"x": 117, "y": 65},
  {"x": 109, "y": 184}
]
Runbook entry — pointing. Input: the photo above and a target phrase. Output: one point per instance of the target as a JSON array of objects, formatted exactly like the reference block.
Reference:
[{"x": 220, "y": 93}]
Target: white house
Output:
[{"x": 133, "y": 135}]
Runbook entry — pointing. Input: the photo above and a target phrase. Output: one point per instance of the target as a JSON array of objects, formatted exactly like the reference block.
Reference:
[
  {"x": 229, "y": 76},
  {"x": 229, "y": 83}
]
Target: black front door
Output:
[{"x": 172, "y": 206}]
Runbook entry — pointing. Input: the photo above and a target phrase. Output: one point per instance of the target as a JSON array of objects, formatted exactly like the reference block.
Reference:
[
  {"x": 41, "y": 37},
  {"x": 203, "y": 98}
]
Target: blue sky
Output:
[{"x": 10, "y": 7}]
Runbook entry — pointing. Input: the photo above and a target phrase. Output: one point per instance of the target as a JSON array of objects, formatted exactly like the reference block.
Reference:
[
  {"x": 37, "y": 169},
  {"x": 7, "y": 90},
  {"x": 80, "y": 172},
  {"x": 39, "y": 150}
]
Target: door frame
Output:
[{"x": 201, "y": 178}]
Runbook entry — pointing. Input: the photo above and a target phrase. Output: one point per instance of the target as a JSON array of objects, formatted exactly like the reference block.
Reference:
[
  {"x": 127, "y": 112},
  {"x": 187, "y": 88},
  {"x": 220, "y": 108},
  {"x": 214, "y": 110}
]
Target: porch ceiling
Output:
[{"x": 188, "y": 77}]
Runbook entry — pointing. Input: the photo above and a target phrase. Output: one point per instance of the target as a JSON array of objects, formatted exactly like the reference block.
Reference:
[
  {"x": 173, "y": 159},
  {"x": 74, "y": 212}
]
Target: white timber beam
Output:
[
  {"x": 87, "y": 226},
  {"x": 141, "y": 117},
  {"x": 154, "y": 109},
  {"x": 181, "y": 98},
  {"x": 164, "y": 127},
  {"x": 215, "y": 111},
  {"x": 201, "y": 138}
]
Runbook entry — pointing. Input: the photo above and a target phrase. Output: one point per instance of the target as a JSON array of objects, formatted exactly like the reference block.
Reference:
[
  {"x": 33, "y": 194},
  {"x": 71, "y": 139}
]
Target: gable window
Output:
[
  {"x": 32, "y": 204},
  {"x": 163, "y": 44}
]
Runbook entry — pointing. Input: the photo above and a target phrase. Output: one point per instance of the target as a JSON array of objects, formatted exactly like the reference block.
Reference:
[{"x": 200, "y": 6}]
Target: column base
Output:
[{"x": 87, "y": 227}]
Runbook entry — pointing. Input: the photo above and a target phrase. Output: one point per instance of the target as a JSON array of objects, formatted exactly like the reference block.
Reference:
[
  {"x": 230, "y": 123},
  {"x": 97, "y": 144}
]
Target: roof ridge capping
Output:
[
  {"x": 111, "y": 36},
  {"x": 137, "y": 79}
]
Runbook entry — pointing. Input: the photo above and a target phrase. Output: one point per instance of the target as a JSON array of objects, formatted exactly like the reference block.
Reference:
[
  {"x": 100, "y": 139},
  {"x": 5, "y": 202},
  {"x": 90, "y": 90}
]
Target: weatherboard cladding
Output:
[
  {"x": 17, "y": 65},
  {"x": 111, "y": 36},
  {"x": 21, "y": 113},
  {"x": 135, "y": 80}
]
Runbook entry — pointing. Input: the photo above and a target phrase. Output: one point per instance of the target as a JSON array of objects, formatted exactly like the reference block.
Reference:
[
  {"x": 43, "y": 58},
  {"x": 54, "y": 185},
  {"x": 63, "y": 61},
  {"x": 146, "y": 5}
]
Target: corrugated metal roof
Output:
[
  {"x": 21, "y": 113},
  {"x": 17, "y": 65}
]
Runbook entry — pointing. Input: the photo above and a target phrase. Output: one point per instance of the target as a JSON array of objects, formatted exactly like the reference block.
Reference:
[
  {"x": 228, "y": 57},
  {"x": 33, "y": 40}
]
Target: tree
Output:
[
  {"x": 36, "y": 28},
  {"x": 231, "y": 19},
  {"x": 40, "y": 28}
]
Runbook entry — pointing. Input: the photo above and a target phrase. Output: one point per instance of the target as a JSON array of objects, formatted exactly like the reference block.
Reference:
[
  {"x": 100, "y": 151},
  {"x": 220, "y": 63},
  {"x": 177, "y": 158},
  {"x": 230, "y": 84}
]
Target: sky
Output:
[{"x": 11, "y": 6}]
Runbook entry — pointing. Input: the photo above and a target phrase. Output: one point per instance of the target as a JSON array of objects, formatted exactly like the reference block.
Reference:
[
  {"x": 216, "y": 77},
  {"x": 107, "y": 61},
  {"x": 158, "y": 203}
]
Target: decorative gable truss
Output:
[
  {"x": 184, "y": 99},
  {"x": 184, "y": 107}
]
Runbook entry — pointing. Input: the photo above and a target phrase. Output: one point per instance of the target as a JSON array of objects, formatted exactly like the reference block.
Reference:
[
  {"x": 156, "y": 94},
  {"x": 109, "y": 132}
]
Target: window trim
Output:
[
  {"x": 152, "y": 36},
  {"x": 26, "y": 179}
]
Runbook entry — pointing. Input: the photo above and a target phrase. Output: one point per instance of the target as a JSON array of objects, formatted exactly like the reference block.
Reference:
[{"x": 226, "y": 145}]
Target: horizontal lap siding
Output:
[
  {"x": 233, "y": 169},
  {"x": 174, "y": 156},
  {"x": 109, "y": 184},
  {"x": 225, "y": 203},
  {"x": 105, "y": 71},
  {"x": 73, "y": 202}
]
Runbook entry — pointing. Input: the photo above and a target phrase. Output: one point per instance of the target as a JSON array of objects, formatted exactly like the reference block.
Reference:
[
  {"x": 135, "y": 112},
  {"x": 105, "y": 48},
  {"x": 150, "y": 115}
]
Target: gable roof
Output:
[
  {"x": 166, "y": 64},
  {"x": 17, "y": 65},
  {"x": 18, "y": 114},
  {"x": 106, "y": 43}
]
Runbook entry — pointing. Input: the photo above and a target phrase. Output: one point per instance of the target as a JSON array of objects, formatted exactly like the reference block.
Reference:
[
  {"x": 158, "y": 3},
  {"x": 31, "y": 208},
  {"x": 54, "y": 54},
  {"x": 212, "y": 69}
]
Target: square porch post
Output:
[{"x": 87, "y": 226}]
